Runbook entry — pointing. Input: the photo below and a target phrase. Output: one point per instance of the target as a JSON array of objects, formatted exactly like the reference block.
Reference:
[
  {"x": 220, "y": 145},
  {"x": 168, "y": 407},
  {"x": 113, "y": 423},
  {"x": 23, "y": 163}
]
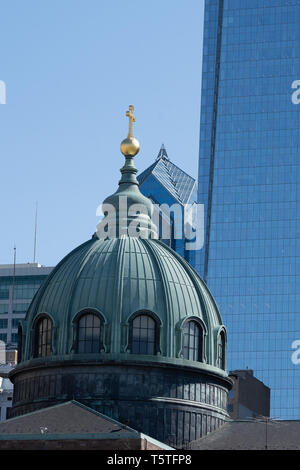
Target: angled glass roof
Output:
[{"x": 179, "y": 184}]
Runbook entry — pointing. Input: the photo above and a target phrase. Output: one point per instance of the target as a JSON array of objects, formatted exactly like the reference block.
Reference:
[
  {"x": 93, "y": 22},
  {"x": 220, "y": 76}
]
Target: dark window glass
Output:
[
  {"x": 3, "y": 323},
  {"x": 15, "y": 322},
  {"x": 192, "y": 341},
  {"x": 4, "y": 288},
  {"x": 3, "y": 337},
  {"x": 143, "y": 335},
  {"x": 221, "y": 351},
  {"x": 26, "y": 288},
  {"x": 43, "y": 337},
  {"x": 89, "y": 333},
  {"x": 3, "y": 308},
  {"x": 4, "y": 294},
  {"x": 14, "y": 338}
]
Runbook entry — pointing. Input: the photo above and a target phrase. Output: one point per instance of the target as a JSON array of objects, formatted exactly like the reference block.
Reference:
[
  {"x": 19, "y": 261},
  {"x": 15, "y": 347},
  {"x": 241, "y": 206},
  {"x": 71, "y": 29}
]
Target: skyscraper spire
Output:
[{"x": 162, "y": 153}]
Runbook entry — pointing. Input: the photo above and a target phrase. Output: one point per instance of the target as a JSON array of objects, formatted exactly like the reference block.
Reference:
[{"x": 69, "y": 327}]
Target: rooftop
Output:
[
  {"x": 259, "y": 434},
  {"x": 24, "y": 269},
  {"x": 70, "y": 421}
]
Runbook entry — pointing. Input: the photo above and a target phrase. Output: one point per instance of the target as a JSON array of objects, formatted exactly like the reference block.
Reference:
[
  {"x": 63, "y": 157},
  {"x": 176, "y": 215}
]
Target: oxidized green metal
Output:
[{"x": 118, "y": 277}]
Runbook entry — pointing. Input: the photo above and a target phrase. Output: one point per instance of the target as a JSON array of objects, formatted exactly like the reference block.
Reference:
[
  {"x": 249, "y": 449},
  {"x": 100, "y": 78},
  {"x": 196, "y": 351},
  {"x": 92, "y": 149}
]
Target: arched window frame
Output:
[
  {"x": 76, "y": 321},
  {"x": 35, "y": 335},
  {"x": 221, "y": 343},
  {"x": 158, "y": 324},
  {"x": 203, "y": 328}
]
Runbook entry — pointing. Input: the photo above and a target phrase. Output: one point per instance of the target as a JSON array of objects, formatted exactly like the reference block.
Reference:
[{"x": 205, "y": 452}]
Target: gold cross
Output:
[{"x": 131, "y": 119}]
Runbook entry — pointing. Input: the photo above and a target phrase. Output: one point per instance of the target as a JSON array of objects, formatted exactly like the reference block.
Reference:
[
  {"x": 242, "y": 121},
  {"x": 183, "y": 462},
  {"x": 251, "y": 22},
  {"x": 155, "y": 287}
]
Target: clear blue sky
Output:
[{"x": 71, "y": 68}]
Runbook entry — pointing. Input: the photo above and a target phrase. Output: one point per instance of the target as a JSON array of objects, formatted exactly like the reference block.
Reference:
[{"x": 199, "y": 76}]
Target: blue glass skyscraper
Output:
[
  {"x": 165, "y": 183},
  {"x": 249, "y": 174}
]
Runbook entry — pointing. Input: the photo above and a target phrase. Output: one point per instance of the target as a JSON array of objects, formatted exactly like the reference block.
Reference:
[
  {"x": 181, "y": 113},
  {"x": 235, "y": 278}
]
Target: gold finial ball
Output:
[{"x": 130, "y": 146}]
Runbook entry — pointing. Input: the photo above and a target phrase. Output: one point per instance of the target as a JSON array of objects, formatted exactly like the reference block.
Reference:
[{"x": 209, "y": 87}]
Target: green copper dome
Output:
[{"x": 117, "y": 278}]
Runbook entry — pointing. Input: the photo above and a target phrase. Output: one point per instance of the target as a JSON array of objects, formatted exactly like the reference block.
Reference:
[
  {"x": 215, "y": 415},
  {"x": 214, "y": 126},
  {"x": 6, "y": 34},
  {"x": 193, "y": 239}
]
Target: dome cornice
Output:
[{"x": 74, "y": 360}]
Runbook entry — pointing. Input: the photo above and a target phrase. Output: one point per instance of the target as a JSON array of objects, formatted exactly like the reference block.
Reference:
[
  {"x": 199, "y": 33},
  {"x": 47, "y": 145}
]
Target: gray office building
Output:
[{"x": 18, "y": 285}]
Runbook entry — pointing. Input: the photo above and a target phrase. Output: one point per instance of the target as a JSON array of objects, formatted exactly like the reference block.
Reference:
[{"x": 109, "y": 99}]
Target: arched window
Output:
[
  {"x": 221, "y": 345},
  {"x": 43, "y": 337},
  {"x": 193, "y": 341},
  {"x": 143, "y": 335},
  {"x": 89, "y": 333}
]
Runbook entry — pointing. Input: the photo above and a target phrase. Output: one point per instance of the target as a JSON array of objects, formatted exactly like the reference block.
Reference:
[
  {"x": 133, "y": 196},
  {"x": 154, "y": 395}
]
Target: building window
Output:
[
  {"x": 43, "y": 337},
  {"x": 221, "y": 350},
  {"x": 89, "y": 333},
  {"x": 4, "y": 308},
  {"x": 4, "y": 294},
  {"x": 144, "y": 335},
  {"x": 20, "y": 308},
  {"x": 26, "y": 288},
  {"x": 3, "y": 323},
  {"x": 14, "y": 338},
  {"x": 192, "y": 341},
  {"x": 15, "y": 322},
  {"x": 3, "y": 337}
]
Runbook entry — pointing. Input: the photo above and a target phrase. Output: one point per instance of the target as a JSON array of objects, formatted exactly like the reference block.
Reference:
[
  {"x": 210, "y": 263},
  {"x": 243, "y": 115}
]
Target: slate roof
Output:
[
  {"x": 179, "y": 184},
  {"x": 69, "y": 420},
  {"x": 252, "y": 435},
  {"x": 69, "y": 417}
]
